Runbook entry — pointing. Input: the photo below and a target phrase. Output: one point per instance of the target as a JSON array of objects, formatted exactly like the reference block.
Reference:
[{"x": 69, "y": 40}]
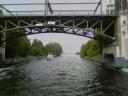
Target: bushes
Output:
[
  {"x": 21, "y": 47},
  {"x": 91, "y": 50}
]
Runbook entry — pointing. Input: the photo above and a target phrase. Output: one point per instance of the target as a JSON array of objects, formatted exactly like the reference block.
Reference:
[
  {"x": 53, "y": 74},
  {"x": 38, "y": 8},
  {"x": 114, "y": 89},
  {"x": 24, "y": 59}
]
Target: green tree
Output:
[
  {"x": 91, "y": 49},
  {"x": 37, "y": 43},
  {"x": 38, "y": 48},
  {"x": 17, "y": 46},
  {"x": 26, "y": 48},
  {"x": 54, "y": 48},
  {"x": 20, "y": 46}
]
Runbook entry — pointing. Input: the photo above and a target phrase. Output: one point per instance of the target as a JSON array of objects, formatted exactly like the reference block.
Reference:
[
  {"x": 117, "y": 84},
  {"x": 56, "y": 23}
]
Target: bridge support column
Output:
[
  {"x": 113, "y": 49},
  {"x": 110, "y": 53},
  {"x": 2, "y": 47},
  {"x": 120, "y": 50},
  {"x": 123, "y": 35}
]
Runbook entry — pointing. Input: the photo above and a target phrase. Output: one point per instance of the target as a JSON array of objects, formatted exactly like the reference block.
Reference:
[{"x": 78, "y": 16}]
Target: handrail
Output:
[
  {"x": 11, "y": 4},
  {"x": 53, "y": 10},
  {"x": 60, "y": 13}
]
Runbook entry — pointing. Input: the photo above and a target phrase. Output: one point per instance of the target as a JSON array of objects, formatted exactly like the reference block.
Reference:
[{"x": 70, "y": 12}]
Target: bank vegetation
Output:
[
  {"x": 19, "y": 46},
  {"x": 91, "y": 50}
]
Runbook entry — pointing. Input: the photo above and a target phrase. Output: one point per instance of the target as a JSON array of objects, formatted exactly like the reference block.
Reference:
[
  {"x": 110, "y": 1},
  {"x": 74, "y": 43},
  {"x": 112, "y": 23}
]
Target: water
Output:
[{"x": 67, "y": 75}]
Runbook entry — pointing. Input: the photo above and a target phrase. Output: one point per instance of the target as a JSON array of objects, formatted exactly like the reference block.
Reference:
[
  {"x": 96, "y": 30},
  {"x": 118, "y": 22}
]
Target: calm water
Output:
[{"x": 67, "y": 75}]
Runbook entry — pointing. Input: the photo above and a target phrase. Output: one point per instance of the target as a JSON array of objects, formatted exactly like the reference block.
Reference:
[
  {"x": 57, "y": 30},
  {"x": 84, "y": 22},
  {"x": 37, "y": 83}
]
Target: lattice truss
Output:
[{"x": 100, "y": 27}]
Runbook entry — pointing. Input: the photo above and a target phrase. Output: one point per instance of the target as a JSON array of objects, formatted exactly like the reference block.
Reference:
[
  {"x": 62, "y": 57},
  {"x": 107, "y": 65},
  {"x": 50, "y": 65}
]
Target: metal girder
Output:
[
  {"x": 74, "y": 27},
  {"x": 95, "y": 23},
  {"x": 3, "y": 28},
  {"x": 5, "y": 9},
  {"x": 67, "y": 22},
  {"x": 101, "y": 26},
  {"x": 67, "y": 29},
  {"x": 35, "y": 21},
  {"x": 48, "y": 4},
  {"x": 97, "y": 6},
  {"x": 26, "y": 11},
  {"x": 80, "y": 23},
  {"x": 108, "y": 27},
  {"x": 28, "y": 24},
  {"x": 10, "y": 22},
  {"x": 57, "y": 30}
]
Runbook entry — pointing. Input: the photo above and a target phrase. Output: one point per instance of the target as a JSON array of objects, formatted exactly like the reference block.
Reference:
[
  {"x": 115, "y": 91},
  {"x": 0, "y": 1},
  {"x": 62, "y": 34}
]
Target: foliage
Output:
[
  {"x": 26, "y": 48},
  {"x": 21, "y": 47},
  {"x": 38, "y": 48},
  {"x": 91, "y": 49},
  {"x": 54, "y": 48},
  {"x": 18, "y": 46}
]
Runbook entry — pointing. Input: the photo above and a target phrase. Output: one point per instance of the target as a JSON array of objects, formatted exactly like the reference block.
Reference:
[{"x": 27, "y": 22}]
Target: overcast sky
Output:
[
  {"x": 105, "y": 2},
  {"x": 70, "y": 43}
]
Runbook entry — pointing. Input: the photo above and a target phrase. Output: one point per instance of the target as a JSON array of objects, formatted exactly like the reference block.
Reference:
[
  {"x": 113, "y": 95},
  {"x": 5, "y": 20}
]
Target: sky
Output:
[
  {"x": 70, "y": 43},
  {"x": 54, "y": 7}
]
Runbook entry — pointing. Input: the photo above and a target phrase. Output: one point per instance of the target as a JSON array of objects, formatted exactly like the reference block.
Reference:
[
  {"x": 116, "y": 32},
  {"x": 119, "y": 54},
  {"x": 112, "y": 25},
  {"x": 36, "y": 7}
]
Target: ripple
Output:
[{"x": 63, "y": 76}]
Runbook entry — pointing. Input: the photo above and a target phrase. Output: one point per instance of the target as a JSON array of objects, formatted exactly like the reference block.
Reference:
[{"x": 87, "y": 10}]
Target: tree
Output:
[
  {"x": 54, "y": 48},
  {"x": 83, "y": 51},
  {"x": 38, "y": 48},
  {"x": 26, "y": 48},
  {"x": 91, "y": 49},
  {"x": 37, "y": 43},
  {"x": 16, "y": 47}
]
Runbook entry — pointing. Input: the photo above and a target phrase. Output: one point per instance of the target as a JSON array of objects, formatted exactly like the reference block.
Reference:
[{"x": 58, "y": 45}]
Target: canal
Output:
[{"x": 67, "y": 75}]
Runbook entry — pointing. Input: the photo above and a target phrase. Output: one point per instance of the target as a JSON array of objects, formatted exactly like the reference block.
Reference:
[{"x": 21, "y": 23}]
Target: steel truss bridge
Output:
[{"x": 88, "y": 23}]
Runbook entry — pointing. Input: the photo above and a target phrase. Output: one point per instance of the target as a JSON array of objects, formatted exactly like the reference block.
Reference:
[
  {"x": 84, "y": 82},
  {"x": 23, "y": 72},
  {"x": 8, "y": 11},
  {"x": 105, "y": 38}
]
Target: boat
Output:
[{"x": 49, "y": 57}]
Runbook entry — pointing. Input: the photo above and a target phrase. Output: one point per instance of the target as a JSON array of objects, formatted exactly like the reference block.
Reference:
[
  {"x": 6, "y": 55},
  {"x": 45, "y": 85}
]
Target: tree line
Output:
[{"x": 21, "y": 47}]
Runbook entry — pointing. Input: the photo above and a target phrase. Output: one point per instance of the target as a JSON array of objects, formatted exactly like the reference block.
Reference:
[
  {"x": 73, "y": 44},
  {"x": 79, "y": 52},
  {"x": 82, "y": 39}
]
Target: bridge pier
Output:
[
  {"x": 2, "y": 47},
  {"x": 120, "y": 49},
  {"x": 110, "y": 53}
]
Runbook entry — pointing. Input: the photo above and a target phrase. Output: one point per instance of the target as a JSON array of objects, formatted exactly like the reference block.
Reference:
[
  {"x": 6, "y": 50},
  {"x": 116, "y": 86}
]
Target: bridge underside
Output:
[{"x": 103, "y": 27}]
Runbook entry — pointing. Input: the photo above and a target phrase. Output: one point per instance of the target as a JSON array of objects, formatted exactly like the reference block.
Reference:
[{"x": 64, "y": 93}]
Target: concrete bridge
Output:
[{"x": 109, "y": 29}]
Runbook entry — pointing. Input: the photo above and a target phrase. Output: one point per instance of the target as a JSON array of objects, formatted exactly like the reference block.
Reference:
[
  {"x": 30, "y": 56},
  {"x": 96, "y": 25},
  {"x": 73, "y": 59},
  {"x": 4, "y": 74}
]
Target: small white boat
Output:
[{"x": 49, "y": 57}]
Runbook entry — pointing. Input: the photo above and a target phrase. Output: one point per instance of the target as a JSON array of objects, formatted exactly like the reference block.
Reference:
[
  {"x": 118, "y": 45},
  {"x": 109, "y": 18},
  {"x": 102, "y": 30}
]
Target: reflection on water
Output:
[{"x": 62, "y": 76}]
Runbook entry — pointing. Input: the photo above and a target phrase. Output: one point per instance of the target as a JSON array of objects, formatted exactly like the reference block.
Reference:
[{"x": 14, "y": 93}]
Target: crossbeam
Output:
[
  {"x": 48, "y": 4},
  {"x": 53, "y": 10},
  {"x": 97, "y": 6}
]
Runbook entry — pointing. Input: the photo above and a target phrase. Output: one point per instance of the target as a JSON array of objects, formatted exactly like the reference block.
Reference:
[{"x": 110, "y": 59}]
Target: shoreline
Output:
[
  {"x": 14, "y": 61},
  {"x": 109, "y": 67}
]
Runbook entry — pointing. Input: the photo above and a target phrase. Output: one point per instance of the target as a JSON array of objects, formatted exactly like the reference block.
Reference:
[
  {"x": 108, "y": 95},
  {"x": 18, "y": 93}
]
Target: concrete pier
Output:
[
  {"x": 2, "y": 54},
  {"x": 2, "y": 46},
  {"x": 120, "y": 47}
]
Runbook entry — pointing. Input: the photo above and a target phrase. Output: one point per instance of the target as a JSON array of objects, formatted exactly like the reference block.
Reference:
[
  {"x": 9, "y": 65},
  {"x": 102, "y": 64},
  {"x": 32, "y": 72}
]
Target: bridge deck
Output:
[
  {"x": 91, "y": 17},
  {"x": 103, "y": 24}
]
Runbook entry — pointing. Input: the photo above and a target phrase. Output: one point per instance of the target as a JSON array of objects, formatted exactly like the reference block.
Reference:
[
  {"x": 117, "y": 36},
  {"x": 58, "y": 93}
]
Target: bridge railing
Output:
[{"x": 60, "y": 13}]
